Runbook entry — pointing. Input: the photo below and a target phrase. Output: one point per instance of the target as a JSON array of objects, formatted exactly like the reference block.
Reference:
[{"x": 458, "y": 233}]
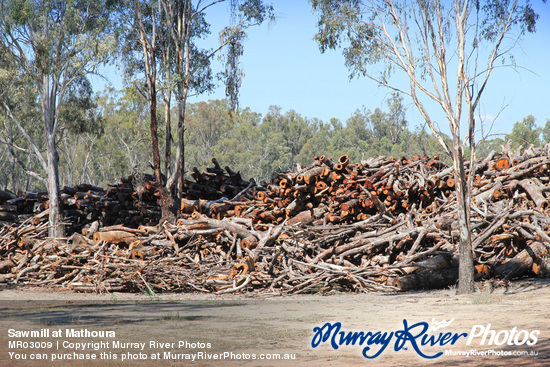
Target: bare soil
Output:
[{"x": 276, "y": 324}]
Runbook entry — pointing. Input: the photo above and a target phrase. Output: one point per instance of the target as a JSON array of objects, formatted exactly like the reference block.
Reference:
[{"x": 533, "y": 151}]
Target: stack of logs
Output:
[
  {"x": 131, "y": 202},
  {"x": 214, "y": 183},
  {"x": 380, "y": 224}
]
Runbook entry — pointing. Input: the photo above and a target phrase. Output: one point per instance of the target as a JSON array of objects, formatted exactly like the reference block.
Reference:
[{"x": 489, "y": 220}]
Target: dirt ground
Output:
[{"x": 253, "y": 326}]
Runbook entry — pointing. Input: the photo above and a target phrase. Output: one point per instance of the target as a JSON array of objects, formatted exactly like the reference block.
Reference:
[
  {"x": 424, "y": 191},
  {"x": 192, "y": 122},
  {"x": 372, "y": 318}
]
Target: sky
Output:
[{"x": 283, "y": 66}]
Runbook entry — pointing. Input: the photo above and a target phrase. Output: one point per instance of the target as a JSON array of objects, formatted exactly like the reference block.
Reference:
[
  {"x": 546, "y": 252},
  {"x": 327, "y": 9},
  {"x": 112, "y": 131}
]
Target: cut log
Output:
[
  {"x": 438, "y": 262},
  {"x": 303, "y": 219},
  {"x": 501, "y": 164},
  {"x": 490, "y": 193},
  {"x": 483, "y": 271},
  {"x": 8, "y": 208},
  {"x": 522, "y": 262},
  {"x": 429, "y": 280},
  {"x": 78, "y": 243},
  {"x": 356, "y": 226},
  {"x": 149, "y": 229},
  {"x": 7, "y": 216},
  {"x": 6, "y": 195},
  {"x": 89, "y": 232},
  {"x": 6, "y": 265},
  {"x": 208, "y": 223},
  {"x": 541, "y": 266},
  {"x": 114, "y": 237},
  {"x": 535, "y": 189},
  {"x": 311, "y": 175}
]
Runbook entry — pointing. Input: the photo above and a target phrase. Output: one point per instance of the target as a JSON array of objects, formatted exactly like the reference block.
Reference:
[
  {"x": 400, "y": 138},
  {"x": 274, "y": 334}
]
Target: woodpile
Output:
[
  {"x": 131, "y": 202},
  {"x": 382, "y": 224}
]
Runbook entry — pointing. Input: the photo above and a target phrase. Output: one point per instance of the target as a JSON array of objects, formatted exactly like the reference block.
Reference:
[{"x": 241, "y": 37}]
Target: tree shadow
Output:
[{"x": 89, "y": 313}]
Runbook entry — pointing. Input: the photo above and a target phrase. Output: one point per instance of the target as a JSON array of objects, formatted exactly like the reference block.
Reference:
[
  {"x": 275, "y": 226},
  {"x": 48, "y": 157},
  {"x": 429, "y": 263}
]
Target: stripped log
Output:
[{"x": 114, "y": 237}]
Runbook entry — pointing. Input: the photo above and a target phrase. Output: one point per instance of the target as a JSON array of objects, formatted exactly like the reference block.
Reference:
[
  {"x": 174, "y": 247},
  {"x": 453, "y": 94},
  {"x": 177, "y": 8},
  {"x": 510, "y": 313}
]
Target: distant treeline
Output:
[{"x": 114, "y": 141}]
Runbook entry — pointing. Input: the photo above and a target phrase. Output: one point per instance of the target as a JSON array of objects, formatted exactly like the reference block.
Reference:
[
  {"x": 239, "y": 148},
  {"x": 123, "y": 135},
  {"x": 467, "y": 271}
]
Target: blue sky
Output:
[{"x": 283, "y": 66}]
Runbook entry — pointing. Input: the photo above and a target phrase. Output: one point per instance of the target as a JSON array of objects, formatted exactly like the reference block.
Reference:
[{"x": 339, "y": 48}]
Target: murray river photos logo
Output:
[{"x": 418, "y": 336}]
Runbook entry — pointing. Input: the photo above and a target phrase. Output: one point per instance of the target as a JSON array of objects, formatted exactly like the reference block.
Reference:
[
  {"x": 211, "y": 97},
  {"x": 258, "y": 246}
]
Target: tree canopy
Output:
[{"x": 50, "y": 47}]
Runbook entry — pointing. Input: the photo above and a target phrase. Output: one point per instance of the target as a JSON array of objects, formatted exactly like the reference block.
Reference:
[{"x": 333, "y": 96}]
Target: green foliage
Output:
[
  {"x": 118, "y": 146},
  {"x": 356, "y": 27},
  {"x": 246, "y": 14},
  {"x": 103, "y": 138},
  {"x": 117, "y": 143},
  {"x": 484, "y": 147},
  {"x": 78, "y": 112},
  {"x": 48, "y": 49},
  {"x": 495, "y": 13},
  {"x": 207, "y": 123},
  {"x": 281, "y": 141},
  {"x": 546, "y": 132},
  {"x": 525, "y": 133}
]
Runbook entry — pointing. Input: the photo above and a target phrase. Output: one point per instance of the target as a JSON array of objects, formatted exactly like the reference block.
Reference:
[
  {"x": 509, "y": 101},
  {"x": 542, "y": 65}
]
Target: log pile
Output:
[
  {"x": 131, "y": 203},
  {"x": 214, "y": 183},
  {"x": 382, "y": 224}
]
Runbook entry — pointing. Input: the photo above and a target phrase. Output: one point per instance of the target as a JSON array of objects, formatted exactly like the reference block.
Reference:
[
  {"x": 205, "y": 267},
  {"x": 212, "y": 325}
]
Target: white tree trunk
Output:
[
  {"x": 56, "y": 228},
  {"x": 49, "y": 103},
  {"x": 466, "y": 263}
]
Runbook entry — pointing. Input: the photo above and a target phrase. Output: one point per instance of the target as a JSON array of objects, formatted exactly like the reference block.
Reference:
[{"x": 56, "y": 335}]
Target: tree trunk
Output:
[
  {"x": 166, "y": 202},
  {"x": 165, "y": 199},
  {"x": 181, "y": 143},
  {"x": 168, "y": 143},
  {"x": 181, "y": 95},
  {"x": 154, "y": 132},
  {"x": 49, "y": 104},
  {"x": 167, "y": 117},
  {"x": 432, "y": 279},
  {"x": 466, "y": 263},
  {"x": 56, "y": 229}
]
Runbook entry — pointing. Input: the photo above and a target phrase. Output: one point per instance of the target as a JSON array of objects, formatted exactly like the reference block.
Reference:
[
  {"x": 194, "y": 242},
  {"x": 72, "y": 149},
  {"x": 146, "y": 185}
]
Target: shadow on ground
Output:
[{"x": 74, "y": 313}]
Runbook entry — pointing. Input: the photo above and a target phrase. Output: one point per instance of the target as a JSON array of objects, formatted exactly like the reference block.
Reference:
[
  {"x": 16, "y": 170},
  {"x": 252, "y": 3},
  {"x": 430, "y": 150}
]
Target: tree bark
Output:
[
  {"x": 154, "y": 133},
  {"x": 49, "y": 103},
  {"x": 180, "y": 152},
  {"x": 149, "y": 54},
  {"x": 168, "y": 122},
  {"x": 466, "y": 263},
  {"x": 183, "y": 89},
  {"x": 56, "y": 229},
  {"x": 166, "y": 200},
  {"x": 179, "y": 18}
]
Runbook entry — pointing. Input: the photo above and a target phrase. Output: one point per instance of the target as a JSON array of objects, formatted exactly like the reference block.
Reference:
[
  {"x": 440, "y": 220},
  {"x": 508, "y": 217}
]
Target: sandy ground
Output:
[{"x": 272, "y": 324}]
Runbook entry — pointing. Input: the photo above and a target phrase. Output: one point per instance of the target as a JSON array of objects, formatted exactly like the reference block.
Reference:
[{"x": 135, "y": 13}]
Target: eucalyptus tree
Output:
[
  {"x": 141, "y": 46},
  {"x": 424, "y": 40},
  {"x": 187, "y": 23},
  {"x": 54, "y": 44},
  {"x": 162, "y": 35},
  {"x": 525, "y": 133}
]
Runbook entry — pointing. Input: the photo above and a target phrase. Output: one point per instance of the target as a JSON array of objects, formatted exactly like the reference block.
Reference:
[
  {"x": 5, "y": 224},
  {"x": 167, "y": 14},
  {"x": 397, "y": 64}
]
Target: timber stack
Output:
[
  {"x": 382, "y": 224},
  {"x": 131, "y": 202}
]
